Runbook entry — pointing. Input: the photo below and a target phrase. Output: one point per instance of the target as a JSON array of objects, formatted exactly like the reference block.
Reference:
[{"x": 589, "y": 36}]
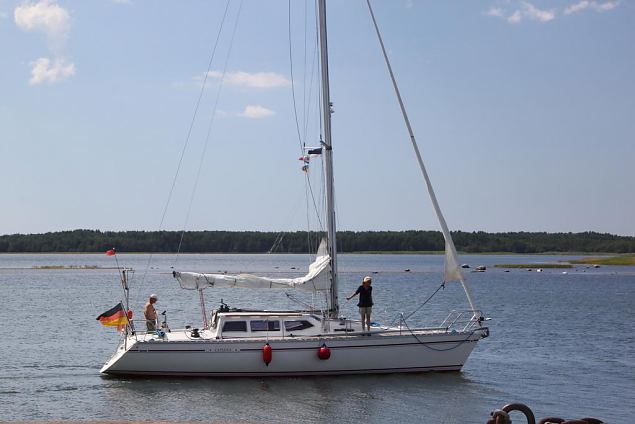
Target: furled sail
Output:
[
  {"x": 452, "y": 271},
  {"x": 317, "y": 278}
]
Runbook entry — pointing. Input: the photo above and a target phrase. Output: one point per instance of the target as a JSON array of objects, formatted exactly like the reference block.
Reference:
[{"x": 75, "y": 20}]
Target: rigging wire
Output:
[
  {"x": 209, "y": 130},
  {"x": 304, "y": 102},
  {"x": 451, "y": 258},
  {"x": 281, "y": 235},
  {"x": 295, "y": 109},
  {"x": 308, "y": 102},
  {"x": 321, "y": 113},
  {"x": 442, "y": 286},
  {"x": 404, "y": 318},
  {"x": 301, "y": 141},
  {"x": 277, "y": 242},
  {"x": 189, "y": 131},
  {"x": 319, "y": 60},
  {"x": 315, "y": 207},
  {"x": 315, "y": 57},
  {"x": 301, "y": 138},
  {"x": 317, "y": 110},
  {"x": 307, "y": 186}
]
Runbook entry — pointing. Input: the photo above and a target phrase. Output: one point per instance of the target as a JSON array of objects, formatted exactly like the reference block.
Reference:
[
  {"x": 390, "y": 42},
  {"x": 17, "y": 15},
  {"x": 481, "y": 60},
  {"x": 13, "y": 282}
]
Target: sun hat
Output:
[
  {"x": 367, "y": 279},
  {"x": 154, "y": 296}
]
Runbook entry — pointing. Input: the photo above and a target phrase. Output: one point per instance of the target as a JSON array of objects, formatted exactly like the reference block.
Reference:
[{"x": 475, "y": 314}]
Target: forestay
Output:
[
  {"x": 316, "y": 280},
  {"x": 452, "y": 269}
]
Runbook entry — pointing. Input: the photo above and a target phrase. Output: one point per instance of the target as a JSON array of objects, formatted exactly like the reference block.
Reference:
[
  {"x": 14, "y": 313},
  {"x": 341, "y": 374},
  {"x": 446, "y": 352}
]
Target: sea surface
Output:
[{"x": 563, "y": 344}]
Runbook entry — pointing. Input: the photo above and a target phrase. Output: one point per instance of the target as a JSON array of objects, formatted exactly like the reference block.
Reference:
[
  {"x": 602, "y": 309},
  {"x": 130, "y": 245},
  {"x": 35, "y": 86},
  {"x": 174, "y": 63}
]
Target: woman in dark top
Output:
[{"x": 365, "y": 303}]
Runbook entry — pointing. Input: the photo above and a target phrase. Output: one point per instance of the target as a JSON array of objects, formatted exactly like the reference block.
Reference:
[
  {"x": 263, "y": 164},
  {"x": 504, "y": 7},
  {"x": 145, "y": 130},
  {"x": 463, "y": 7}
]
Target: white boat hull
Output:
[{"x": 351, "y": 354}]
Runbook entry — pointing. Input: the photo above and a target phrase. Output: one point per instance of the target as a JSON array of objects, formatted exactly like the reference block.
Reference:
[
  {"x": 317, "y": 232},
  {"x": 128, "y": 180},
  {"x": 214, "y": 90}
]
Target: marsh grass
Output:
[
  {"x": 532, "y": 266},
  {"x": 607, "y": 260}
]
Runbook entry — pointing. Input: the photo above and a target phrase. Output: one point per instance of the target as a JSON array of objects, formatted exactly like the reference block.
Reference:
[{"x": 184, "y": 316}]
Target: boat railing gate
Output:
[
  {"x": 462, "y": 320},
  {"x": 137, "y": 327}
]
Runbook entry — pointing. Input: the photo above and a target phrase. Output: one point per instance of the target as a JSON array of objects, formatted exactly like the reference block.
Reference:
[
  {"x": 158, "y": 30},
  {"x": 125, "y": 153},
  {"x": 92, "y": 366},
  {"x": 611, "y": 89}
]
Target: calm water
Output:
[{"x": 563, "y": 344}]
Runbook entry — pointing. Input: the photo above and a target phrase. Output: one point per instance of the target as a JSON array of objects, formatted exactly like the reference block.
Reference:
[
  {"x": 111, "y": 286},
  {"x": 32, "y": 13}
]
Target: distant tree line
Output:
[{"x": 301, "y": 242}]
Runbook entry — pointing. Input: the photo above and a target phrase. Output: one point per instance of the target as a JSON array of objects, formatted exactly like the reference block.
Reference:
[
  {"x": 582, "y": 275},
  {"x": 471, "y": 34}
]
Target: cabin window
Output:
[
  {"x": 235, "y": 326},
  {"x": 265, "y": 325},
  {"x": 297, "y": 325}
]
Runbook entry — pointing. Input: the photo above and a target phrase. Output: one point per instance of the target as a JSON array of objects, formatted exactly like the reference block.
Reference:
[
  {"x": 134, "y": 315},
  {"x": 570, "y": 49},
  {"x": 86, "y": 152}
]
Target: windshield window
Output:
[
  {"x": 235, "y": 326},
  {"x": 265, "y": 325},
  {"x": 297, "y": 325}
]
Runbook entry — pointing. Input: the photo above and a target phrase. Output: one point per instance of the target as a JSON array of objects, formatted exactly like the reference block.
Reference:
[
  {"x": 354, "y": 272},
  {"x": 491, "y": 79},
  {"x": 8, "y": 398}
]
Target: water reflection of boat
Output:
[{"x": 240, "y": 342}]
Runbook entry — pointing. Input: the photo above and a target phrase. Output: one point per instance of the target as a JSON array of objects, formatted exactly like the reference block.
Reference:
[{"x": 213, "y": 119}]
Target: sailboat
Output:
[{"x": 234, "y": 342}]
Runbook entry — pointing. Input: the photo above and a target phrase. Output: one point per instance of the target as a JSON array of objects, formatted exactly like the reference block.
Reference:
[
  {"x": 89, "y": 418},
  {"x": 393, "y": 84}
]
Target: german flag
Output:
[{"x": 114, "y": 317}]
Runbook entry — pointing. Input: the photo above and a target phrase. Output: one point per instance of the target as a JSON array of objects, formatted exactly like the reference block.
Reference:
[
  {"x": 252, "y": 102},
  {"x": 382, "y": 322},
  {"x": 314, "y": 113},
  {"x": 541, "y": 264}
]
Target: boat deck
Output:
[{"x": 185, "y": 335}]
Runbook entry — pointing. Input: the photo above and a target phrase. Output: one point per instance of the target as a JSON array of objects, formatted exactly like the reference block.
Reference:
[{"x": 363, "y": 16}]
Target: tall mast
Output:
[{"x": 328, "y": 160}]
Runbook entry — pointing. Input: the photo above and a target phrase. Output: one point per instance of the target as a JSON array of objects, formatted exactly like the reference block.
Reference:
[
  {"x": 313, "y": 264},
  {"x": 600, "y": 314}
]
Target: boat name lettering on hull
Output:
[{"x": 225, "y": 349}]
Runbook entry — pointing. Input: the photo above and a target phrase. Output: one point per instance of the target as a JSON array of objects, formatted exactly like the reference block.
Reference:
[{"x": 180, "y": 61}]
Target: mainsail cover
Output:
[{"x": 316, "y": 280}]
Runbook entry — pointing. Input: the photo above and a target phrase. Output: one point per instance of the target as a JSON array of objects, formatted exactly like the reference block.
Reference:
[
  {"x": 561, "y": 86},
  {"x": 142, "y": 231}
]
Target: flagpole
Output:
[{"x": 123, "y": 276}]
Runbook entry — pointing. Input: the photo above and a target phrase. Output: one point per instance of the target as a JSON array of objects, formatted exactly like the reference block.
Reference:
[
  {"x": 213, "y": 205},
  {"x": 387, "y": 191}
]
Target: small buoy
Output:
[
  {"x": 267, "y": 354},
  {"x": 324, "y": 352}
]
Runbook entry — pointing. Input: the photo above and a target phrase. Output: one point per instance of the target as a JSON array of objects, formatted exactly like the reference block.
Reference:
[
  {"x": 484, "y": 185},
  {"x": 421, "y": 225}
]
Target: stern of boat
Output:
[{"x": 123, "y": 348}]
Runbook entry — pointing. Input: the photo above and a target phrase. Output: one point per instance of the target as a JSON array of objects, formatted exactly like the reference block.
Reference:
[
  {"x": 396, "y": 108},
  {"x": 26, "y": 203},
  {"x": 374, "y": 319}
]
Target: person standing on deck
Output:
[
  {"x": 150, "y": 313},
  {"x": 365, "y": 303}
]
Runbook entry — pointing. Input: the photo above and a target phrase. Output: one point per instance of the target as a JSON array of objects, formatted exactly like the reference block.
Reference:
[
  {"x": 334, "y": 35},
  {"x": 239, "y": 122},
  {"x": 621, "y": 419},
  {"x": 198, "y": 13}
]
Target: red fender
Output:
[
  {"x": 267, "y": 354},
  {"x": 324, "y": 352}
]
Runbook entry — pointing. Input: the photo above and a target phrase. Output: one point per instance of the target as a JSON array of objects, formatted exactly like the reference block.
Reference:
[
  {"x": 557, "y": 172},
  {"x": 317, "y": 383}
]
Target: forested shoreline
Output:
[{"x": 301, "y": 242}]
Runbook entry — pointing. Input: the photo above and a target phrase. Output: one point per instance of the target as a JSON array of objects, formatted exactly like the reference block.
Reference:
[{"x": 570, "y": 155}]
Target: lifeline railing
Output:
[
  {"x": 137, "y": 327},
  {"x": 457, "y": 320},
  {"x": 462, "y": 320}
]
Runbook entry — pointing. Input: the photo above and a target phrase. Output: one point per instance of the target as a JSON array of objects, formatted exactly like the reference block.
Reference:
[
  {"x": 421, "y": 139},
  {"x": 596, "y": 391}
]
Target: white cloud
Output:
[
  {"x": 603, "y": 7},
  {"x": 47, "y": 17},
  {"x": 526, "y": 11},
  {"x": 576, "y": 7},
  {"x": 256, "y": 112},
  {"x": 515, "y": 17},
  {"x": 532, "y": 12},
  {"x": 495, "y": 11},
  {"x": 43, "y": 70},
  {"x": 255, "y": 80},
  {"x": 593, "y": 5}
]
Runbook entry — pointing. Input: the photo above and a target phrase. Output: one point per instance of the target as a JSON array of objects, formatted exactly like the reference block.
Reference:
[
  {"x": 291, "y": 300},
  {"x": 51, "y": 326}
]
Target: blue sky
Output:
[{"x": 524, "y": 112}]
